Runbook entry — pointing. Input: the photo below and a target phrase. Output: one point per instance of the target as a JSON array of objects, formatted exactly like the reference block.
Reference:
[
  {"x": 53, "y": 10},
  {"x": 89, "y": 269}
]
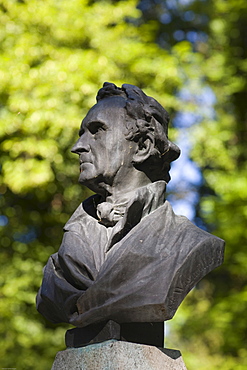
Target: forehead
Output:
[{"x": 108, "y": 111}]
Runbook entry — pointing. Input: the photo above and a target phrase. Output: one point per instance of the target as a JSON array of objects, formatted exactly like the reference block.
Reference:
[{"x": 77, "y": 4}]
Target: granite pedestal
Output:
[{"x": 118, "y": 355}]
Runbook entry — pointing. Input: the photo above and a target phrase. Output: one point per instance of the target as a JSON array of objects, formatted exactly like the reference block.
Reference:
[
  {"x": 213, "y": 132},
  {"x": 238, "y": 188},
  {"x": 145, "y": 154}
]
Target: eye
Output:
[
  {"x": 95, "y": 127},
  {"x": 81, "y": 132}
]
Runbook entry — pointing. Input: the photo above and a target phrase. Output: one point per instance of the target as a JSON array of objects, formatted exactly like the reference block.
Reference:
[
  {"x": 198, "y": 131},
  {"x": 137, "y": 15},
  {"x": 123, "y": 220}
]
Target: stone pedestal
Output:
[{"x": 118, "y": 355}]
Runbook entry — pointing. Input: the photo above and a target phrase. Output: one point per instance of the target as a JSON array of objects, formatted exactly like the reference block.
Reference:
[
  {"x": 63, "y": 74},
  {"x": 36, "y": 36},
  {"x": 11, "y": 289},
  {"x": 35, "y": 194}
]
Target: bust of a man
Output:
[{"x": 125, "y": 256}]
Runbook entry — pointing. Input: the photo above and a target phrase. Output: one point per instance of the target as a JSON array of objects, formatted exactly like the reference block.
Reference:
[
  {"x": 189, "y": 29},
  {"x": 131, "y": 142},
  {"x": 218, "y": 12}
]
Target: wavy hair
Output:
[{"x": 145, "y": 118}]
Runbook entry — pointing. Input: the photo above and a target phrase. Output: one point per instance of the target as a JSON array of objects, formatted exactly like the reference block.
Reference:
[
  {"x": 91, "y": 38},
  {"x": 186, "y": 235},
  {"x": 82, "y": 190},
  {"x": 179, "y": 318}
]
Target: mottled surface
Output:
[
  {"x": 125, "y": 255},
  {"x": 114, "y": 355},
  {"x": 141, "y": 278}
]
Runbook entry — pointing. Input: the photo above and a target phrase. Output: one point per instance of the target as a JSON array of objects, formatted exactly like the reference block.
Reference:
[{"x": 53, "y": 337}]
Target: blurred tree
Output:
[
  {"x": 54, "y": 57},
  {"x": 217, "y": 31}
]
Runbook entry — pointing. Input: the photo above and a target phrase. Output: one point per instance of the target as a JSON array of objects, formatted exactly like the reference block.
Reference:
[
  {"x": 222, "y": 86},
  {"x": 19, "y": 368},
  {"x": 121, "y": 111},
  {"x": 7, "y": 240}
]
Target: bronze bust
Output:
[{"x": 125, "y": 255}]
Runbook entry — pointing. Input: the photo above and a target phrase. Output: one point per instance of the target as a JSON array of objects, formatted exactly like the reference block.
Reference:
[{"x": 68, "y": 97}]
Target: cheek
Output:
[{"x": 111, "y": 148}]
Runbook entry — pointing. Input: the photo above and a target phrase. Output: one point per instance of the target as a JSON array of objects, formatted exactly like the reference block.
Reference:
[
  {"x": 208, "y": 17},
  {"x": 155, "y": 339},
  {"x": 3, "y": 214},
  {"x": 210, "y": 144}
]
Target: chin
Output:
[
  {"x": 87, "y": 174},
  {"x": 84, "y": 180},
  {"x": 88, "y": 181},
  {"x": 97, "y": 184}
]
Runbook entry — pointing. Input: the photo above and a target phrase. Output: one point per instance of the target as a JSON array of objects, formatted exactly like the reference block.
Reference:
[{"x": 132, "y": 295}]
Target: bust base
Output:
[{"x": 150, "y": 333}]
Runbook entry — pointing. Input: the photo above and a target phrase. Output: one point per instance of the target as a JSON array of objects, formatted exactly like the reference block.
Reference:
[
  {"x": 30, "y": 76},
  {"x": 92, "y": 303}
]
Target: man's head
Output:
[{"x": 125, "y": 128}]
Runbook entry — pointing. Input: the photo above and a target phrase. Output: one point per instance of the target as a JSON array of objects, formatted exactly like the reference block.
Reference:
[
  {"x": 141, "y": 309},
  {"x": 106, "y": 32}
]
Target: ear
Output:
[{"x": 144, "y": 149}]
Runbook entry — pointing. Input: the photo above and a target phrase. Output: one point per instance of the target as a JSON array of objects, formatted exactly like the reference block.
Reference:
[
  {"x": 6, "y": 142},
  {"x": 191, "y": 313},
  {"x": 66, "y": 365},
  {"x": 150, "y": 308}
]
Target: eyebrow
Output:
[{"x": 87, "y": 125}]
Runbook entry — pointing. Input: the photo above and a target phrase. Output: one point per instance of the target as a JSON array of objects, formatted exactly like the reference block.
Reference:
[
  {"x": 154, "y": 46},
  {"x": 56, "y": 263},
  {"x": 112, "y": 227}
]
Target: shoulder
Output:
[
  {"x": 178, "y": 228},
  {"x": 83, "y": 215}
]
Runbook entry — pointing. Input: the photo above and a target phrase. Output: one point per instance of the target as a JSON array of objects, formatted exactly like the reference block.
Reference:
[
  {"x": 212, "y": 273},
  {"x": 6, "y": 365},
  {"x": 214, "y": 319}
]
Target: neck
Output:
[{"x": 125, "y": 183}]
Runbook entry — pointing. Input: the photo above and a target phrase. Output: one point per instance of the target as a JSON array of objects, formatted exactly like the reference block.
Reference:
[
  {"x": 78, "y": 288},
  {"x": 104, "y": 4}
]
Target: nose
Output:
[{"x": 80, "y": 146}]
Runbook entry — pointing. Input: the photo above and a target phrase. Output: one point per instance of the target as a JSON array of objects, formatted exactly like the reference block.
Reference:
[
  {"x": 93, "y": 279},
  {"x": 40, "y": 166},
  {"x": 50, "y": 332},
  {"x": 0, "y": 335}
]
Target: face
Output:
[{"x": 103, "y": 150}]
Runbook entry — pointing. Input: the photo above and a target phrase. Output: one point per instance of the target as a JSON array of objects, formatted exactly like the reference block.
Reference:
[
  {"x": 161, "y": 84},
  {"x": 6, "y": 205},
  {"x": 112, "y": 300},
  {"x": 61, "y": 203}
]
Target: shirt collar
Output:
[
  {"x": 121, "y": 218},
  {"x": 148, "y": 198}
]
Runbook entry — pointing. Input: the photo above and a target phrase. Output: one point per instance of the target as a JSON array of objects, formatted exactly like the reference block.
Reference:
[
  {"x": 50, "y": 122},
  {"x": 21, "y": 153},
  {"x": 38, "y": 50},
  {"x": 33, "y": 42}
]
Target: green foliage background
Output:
[{"x": 54, "y": 57}]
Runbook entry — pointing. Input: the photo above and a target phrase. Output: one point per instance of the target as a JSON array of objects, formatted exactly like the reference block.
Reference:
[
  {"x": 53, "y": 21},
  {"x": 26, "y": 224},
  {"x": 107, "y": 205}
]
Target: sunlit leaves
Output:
[
  {"x": 219, "y": 147},
  {"x": 55, "y": 55}
]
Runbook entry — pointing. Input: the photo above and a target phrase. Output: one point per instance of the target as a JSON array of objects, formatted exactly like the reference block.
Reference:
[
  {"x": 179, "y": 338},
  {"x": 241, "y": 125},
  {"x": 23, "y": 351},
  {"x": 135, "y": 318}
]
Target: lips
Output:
[
  {"x": 81, "y": 165},
  {"x": 82, "y": 161}
]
